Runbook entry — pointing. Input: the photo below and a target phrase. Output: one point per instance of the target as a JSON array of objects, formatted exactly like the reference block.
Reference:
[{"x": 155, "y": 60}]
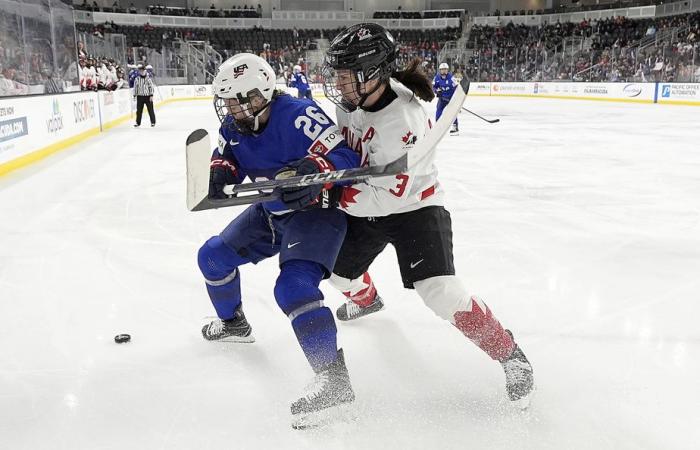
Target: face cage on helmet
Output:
[
  {"x": 246, "y": 126},
  {"x": 330, "y": 89}
]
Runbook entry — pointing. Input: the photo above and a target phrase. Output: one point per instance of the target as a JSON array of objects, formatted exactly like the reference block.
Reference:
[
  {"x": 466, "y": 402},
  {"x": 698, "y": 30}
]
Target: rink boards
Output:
[
  {"x": 662, "y": 93},
  {"x": 34, "y": 127}
]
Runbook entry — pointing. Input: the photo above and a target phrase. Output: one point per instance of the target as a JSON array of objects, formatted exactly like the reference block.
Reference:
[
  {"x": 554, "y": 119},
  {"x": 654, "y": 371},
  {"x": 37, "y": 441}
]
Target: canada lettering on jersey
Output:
[{"x": 355, "y": 142}]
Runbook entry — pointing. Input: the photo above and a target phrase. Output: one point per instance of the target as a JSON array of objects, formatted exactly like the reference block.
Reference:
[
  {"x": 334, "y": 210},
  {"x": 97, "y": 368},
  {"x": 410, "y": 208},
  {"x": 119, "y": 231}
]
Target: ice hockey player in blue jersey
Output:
[
  {"x": 266, "y": 134},
  {"x": 299, "y": 81},
  {"x": 444, "y": 87},
  {"x": 133, "y": 73}
]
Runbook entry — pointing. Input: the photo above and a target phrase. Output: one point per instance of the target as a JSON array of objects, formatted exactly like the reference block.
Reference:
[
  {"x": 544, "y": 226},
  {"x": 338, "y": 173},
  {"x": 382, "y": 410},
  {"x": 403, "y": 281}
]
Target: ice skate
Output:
[
  {"x": 351, "y": 310},
  {"x": 454, "y": 130},
  {"x": 519, "y": 377},
  {"x": 236, "y": 329},
  {"x": 326, "y": 399}
]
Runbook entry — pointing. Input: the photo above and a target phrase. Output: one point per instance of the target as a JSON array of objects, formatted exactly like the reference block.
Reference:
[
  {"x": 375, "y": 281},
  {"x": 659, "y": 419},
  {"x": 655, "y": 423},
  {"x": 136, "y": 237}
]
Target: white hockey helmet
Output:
[
  {"x": 240, "y": 78},
  {"x": 149, "y": 67},
  {"x": 444, "y": 66},
  {"x": 297, "y": 69},
  {"x": 243, "y": 74}
]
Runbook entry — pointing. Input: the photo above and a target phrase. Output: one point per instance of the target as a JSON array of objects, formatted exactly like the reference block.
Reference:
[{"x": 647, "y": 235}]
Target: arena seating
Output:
[{"x": 521, "y": 53}]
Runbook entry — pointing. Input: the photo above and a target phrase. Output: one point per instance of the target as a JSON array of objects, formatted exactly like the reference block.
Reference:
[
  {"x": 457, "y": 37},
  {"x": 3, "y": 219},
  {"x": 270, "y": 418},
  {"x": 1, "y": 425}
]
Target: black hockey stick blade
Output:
[
  {"x": 210, "y": 203},
  {"x": 482, "y": 118},
  {"x": 356, "y": 174}
]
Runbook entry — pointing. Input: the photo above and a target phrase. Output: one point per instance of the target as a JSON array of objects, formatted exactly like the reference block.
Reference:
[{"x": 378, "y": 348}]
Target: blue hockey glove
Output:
[
  {"x": 221, "y": 173},
  {"x": 307, "y": 196}
]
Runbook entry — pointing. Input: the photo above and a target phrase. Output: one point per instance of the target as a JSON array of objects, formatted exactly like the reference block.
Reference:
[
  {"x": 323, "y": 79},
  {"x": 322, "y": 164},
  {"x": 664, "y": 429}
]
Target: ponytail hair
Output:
[{"x": 416, "y": 80}]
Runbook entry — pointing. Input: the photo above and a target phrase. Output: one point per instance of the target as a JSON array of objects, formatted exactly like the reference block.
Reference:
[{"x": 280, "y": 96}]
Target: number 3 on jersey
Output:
[
  {"x": 312, "y": 128},
  {"x": 401, "y": 187}
]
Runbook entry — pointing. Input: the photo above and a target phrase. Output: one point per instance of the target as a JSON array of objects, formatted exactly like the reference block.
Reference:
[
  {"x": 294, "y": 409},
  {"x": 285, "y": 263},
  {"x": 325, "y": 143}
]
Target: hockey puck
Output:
[{"x": 122, "y": 338}]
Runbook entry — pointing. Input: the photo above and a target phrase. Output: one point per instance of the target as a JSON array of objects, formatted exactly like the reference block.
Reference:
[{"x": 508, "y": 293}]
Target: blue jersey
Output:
[
  {"x": 444, "y": 88},
  {"x": 132, "y": 76},
  {"x": 295, "y": 129},
  {"x": 300, "y": 82}
]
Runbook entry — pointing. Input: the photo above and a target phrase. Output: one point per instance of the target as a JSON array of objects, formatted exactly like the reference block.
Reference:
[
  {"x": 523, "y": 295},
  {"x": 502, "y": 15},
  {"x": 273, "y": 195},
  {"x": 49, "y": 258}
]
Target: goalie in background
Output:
[
  {"x": 266, "y": 134},
  {"x": 379, "y": 110}
]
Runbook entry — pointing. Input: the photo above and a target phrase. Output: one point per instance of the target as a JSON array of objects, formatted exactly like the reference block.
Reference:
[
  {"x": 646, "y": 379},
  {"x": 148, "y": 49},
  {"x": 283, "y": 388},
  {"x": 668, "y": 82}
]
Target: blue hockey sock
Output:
[{"x": 298, "y": 295}]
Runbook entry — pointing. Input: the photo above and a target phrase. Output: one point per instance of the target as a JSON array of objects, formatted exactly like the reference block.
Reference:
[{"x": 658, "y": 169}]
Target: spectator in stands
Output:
[
  {"x": 81, "y": 51},
  {"x": 132, "y": 9}
]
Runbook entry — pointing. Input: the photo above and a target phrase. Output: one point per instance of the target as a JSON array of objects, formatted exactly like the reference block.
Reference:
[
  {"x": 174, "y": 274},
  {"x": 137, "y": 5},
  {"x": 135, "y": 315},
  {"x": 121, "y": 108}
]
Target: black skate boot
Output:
[
  {"x": 236, "y": 329},
  {"x": 351, "y": 310},
  {"x": 519, "y": 379},
  {"x": 326, "y": 399},
  {"x": 454, "y": 130}
]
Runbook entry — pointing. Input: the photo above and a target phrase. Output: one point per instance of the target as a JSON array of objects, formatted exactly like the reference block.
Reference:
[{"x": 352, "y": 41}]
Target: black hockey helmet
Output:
[{"x": 368, "y": 50}]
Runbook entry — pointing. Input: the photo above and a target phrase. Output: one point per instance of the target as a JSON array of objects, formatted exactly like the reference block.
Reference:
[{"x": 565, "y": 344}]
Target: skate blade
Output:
[
  {"x": 238, "y": 339},
  {"x": 337, "y": 414},
  {"x": 350, "y": 319}
]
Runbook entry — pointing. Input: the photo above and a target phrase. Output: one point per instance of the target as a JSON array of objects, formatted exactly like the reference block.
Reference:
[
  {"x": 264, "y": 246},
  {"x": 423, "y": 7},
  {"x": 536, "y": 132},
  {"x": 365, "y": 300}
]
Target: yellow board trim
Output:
[
  {"x": 679, "y": 102},
  {"x": 40, "y": 154},
  {"x": 116, "y": 122}
]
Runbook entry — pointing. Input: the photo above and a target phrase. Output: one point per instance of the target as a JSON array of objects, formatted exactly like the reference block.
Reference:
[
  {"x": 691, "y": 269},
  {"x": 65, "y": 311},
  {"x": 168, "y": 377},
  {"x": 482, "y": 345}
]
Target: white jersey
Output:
[{"x": 382, "y": 137}]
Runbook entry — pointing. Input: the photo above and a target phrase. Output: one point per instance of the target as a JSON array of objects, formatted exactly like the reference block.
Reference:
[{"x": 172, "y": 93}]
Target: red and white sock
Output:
[
  {"x": 447, "y": 297},
  {"x": 478, "y": 324},
  {"x": 360, "y": 291}
]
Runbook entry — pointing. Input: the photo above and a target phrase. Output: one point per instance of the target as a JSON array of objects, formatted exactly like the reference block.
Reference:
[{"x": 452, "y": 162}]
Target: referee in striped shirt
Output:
[{"x": 143, "y": 91}]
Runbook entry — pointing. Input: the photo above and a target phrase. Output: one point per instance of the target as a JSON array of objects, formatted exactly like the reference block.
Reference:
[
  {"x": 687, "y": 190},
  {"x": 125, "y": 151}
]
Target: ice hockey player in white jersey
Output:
[{"x": 382, "y": 118}]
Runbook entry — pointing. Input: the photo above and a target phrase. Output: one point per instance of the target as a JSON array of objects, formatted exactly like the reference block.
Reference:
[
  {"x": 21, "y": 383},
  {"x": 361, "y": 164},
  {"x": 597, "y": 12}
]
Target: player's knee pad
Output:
[
  {"x": 218, "y": 262},
  {"x": 296, "y": 289},
  {"x": 445, "y": 295}
]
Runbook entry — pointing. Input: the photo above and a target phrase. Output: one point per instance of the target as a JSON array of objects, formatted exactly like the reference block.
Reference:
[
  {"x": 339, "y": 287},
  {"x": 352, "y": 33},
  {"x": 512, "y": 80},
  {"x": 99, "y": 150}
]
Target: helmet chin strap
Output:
[{"x": 364, "y": 96}]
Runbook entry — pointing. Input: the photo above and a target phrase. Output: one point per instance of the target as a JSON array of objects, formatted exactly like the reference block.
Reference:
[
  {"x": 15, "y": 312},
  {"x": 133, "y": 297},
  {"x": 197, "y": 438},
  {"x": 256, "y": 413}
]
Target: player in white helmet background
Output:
[
  {"x": 444, "y": 86},
  {"x": 299, "y": 81},
  {"x": 265, "y": 133},
  {"x": 382, "y": 118}
]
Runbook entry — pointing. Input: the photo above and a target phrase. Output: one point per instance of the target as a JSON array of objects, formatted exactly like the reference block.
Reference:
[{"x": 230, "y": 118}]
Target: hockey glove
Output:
[
  {"x": 306, "y": 196},
  {"x": 221, "y": 173}
]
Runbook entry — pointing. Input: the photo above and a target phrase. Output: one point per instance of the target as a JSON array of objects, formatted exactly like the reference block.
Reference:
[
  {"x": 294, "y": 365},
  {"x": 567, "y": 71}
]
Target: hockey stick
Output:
[
  {"x": 198, "y": 154},
  {"x": 198, "y": 159},
  {"x": 485, "y": 120}
]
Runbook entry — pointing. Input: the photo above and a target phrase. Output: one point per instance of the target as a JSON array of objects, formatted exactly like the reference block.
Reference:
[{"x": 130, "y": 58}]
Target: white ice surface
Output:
[{"x": 577, "y": 222}]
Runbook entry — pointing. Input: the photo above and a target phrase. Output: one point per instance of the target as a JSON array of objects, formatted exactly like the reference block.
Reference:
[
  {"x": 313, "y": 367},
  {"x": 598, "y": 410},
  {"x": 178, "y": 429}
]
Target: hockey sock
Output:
[
  {"x": 446, "y": 295},
  {"x": 478, "y": 324},
  {"x": 360, "y": 291},
  {"x": 298, "y": 295},
  {"x": 219, "y": 265}
]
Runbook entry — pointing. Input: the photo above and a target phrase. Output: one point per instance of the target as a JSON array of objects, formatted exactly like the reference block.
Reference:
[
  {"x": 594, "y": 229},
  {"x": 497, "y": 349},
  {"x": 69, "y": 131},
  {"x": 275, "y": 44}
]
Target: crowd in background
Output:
[
  {"x": 607, "y": 50},
  {"x": 30, "y": 63},
  {"x": 245, "y": 11},
  {"x": 599, "y": 50}
]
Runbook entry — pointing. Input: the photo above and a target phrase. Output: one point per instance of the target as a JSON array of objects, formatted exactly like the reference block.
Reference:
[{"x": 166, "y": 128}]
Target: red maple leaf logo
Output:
[
  {"x": 348, "y": 196},
  {"x": 407, "y": 137}
]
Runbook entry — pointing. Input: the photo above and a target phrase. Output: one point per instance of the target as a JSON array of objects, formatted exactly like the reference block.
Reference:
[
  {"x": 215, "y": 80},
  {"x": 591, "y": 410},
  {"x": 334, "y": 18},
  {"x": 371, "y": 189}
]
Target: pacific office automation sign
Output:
[
  {"x": 11, "y": 127},
  {"x": 679, "y": 91}
]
